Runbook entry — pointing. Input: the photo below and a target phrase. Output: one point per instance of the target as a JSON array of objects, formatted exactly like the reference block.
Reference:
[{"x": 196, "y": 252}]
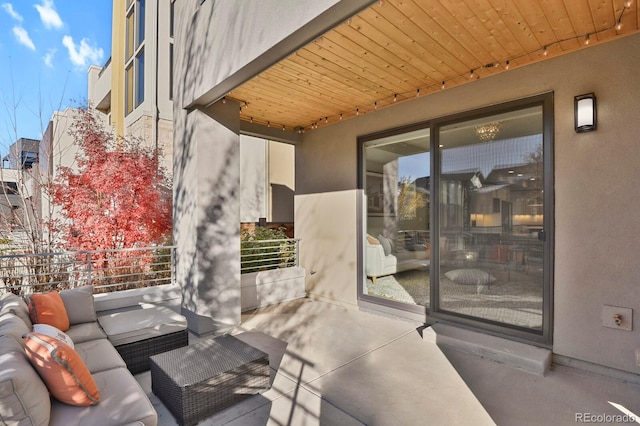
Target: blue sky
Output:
[{"x": 46, "y": 47}]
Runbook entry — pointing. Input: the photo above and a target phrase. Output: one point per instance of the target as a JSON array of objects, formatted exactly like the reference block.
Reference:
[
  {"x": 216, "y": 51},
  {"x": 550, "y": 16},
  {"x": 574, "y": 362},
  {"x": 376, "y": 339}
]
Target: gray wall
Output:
[{"x": 596, "y": 175}]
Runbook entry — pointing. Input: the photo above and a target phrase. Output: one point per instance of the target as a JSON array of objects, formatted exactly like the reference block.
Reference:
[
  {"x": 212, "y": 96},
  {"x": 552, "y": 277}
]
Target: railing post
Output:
[
  {"x": 89, "y": 268},
  {"x": 172, "y": 265},
  {"x": 297, "y": 252}
]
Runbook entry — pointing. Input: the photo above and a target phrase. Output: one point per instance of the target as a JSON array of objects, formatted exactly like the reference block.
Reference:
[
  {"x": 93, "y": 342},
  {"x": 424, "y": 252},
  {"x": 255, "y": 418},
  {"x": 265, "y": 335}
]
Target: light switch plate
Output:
[{"x": 609, "y": 314}]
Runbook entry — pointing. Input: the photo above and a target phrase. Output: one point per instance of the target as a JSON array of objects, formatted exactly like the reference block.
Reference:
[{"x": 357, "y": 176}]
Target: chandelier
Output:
[{"x": 487, "y": 132}]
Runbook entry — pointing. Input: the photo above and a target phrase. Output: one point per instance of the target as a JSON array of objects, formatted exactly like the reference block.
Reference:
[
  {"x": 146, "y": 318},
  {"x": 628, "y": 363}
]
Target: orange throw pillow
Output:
[
  {"x": 62, "y": 370},
  {"x": 48, "y": 308}
]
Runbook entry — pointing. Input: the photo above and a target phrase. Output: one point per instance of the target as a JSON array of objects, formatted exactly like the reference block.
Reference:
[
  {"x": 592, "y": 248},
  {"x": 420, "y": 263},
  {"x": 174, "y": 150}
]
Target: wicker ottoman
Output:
[
  {"x": 196, "y": 381},
  {"x": 139, "y": 333}
]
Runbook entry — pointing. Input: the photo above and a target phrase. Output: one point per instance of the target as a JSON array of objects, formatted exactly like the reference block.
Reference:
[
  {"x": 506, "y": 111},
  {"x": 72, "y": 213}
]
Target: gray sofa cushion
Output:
[
  {"x": 10, "y": 303},
  {"x": 11, "y": 325},
  {"x": 123, "y": 402},
  {"x": 140, "y": 324},
  {"x": 86, "y": 331},
  {"x": 24, "y": 398},
  {"x": 79, "y": 304},
  {"x": 99, "y": 355}
]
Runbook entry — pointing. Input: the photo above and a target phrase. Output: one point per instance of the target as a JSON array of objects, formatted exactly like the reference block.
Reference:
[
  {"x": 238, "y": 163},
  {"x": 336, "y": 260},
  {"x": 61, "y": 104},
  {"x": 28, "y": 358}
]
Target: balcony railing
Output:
[
  {"x": 107, "y": 270},
  {"x": 262, "y": 255}
]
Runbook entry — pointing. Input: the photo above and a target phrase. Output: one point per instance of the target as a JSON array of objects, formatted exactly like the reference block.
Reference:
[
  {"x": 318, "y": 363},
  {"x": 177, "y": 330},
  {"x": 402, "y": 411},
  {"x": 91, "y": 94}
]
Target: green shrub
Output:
[{"x": 260, "y": 256}]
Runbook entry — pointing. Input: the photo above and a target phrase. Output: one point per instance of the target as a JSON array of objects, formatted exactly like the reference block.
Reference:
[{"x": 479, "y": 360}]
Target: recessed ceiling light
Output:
[
  {"x": 511, "y": 172},
  {"x": 519, "y": 174}
]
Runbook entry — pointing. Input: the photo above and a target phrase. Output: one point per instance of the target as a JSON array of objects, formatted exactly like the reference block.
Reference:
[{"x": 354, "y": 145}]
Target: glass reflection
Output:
[
  {"x": 491, "y": 218},
  {"x": 397, "y": 244}
]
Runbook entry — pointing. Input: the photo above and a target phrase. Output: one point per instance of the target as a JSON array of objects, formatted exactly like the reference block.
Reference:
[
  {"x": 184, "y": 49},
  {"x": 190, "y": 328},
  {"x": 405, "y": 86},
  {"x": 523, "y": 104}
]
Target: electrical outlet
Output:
[{"x": 617, "y": 317}]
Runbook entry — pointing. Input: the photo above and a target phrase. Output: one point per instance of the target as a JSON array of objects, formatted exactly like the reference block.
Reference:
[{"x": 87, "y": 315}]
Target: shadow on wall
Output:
[{"x": 203, "y": 264}]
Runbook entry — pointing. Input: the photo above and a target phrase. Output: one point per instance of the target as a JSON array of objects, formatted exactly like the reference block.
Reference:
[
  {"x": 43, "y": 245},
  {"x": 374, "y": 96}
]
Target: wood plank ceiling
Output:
[{"x": 399, "y": 49}]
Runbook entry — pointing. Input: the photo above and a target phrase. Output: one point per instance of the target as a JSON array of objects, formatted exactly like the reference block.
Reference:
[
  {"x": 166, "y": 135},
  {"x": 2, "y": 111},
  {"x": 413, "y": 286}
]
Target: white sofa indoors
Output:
[
  {"x": 381, "y": 258},
  {"x": 24, "y": 396}
]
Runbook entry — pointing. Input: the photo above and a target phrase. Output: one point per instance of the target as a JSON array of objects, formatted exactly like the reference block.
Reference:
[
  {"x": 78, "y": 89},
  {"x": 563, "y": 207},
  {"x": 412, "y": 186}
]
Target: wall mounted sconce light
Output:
[{"x": 585, "y": 113}]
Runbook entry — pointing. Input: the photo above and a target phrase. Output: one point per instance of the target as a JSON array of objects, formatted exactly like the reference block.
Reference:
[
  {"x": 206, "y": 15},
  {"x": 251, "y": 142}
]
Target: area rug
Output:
[{"x": 515, "y": 297}]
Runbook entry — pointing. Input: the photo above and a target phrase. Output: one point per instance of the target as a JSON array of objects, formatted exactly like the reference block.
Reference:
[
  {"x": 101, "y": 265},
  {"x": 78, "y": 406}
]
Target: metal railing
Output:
[
  {"x": 262, "y": 255},
  {"x": 107, "y": 270}
]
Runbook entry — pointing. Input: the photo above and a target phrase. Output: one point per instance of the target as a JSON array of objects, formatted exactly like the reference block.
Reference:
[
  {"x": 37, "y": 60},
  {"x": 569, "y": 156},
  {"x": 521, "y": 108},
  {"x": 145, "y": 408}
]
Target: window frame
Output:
[{"x": 135, "y": 40}]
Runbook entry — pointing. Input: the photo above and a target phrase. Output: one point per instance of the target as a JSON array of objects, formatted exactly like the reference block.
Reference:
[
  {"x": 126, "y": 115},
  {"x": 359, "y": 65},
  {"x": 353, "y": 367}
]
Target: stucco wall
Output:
[
  {"x": 596, "y": 175},
  {"x": 328, "y": 244},
  {"x": 253, "y": 153}
]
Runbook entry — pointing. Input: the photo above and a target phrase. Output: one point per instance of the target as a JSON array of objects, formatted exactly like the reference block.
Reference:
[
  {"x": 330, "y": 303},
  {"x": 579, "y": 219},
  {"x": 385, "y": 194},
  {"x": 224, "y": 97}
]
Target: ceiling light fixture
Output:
[{"x": 487, "y": 132}]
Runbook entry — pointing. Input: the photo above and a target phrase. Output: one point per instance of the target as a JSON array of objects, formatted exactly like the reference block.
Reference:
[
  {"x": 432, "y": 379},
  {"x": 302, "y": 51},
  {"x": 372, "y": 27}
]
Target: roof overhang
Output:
[{"x": 397, "y": 50}]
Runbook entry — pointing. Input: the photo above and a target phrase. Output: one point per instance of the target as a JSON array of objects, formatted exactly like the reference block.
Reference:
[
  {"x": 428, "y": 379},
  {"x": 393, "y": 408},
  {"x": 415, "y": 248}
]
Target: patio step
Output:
[{"x": 518, "y": 355}]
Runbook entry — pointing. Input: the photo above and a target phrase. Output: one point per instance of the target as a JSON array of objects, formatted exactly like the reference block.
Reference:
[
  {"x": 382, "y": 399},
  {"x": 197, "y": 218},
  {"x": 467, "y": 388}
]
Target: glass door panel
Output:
[
  {"x": 397, "y": 244},
  {"x": 491, "y": 210}
]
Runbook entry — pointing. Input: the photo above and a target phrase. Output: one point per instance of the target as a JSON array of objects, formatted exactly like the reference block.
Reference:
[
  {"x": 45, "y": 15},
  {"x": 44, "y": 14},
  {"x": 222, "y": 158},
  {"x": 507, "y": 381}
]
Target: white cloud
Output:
[
  {"x": 83, "y": 54},
  {"x": 8, "y": 7},
  {"x": 48, "y": 14},
  {"x": 23, "y": 37},
  {"x": 48, "y": 58}
]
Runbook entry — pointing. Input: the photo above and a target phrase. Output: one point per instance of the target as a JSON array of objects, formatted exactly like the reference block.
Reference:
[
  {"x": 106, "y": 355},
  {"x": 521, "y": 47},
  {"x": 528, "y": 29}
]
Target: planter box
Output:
[{"x": 265, "y": 288}]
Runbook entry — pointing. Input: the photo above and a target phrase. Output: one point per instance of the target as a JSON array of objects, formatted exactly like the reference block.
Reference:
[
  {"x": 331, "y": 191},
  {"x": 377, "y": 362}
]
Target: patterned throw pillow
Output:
[
  {"x": 62, "y": 370},
  {"x": 49, "y": 330},
  {"x": 48, "y": 308}
]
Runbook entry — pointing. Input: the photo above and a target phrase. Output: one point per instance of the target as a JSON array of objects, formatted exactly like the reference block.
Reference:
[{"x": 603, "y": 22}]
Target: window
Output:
[
  {"x": 10, "y": 188},
  {"x": 171, "y": 26},
  {"x": 134, "y": 65},
  {"x": 140, "y": 23},
  {"x": 171, "y": 71},
  {"x": 171, "y": 17},
  {"x": 130, "y": 34},
  {"x": 139, "y": 78},
  {"x": 28, "y": 158},
  {"x": 128, "y": 100}
]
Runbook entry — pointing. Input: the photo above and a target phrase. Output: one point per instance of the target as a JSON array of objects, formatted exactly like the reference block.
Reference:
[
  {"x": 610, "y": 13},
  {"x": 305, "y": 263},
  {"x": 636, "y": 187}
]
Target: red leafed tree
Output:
[{"x": 116, "y": 197}]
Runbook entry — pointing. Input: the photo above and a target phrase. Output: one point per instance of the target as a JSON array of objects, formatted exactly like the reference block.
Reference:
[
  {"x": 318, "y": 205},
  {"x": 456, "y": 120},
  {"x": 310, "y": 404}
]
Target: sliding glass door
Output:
[
  {"x": 458, "y": 218},
  {"x": 397, "y": 244},
  {"x": 491, "y": 218}
]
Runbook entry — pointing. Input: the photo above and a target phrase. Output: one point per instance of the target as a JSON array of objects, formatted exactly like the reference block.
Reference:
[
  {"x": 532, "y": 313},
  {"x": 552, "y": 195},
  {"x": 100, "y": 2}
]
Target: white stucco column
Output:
[{"x": 207, "y": 216}]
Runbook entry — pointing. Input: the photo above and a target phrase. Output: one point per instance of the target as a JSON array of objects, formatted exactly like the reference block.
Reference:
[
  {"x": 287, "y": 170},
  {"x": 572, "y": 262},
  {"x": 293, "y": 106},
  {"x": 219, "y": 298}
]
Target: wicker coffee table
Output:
[{"x": 196, "y": 381}]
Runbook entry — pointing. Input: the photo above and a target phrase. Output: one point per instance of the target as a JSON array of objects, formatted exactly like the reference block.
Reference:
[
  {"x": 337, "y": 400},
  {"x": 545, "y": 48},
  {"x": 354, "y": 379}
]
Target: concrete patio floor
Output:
[{"x": 336, "y": 366}]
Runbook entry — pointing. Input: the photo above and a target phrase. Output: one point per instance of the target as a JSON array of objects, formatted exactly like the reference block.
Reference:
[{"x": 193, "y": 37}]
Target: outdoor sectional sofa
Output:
[{"x": 24, "y": 395}]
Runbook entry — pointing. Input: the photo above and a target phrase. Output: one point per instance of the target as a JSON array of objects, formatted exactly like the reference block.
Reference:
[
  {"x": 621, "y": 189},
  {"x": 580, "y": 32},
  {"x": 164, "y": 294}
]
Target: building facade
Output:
[{"x": 133, "y": 89}]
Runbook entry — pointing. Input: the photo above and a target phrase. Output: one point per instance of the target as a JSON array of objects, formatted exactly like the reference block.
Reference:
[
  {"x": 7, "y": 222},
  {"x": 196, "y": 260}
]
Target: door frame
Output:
[{"x": 434, "y": 314}]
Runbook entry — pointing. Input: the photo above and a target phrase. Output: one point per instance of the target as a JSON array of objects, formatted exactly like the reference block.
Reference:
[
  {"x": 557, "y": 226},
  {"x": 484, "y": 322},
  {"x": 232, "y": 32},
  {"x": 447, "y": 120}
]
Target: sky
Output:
[{"x": 46, "y": 48}]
